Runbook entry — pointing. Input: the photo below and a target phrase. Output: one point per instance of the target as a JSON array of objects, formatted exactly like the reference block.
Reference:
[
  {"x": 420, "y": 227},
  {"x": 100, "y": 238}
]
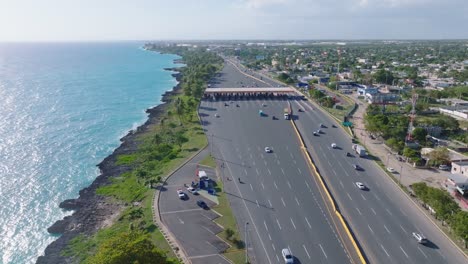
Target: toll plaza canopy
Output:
[{"x": 249, "y": 90}]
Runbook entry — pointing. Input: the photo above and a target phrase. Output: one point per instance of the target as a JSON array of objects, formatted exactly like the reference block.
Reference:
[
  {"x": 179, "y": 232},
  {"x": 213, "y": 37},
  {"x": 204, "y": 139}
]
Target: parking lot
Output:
[{"x": 192, "y": 225}]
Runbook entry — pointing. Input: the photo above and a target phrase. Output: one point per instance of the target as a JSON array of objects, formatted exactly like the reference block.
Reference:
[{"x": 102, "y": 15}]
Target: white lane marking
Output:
[
  {"x": 269, "y": 236},
  {"x": 263, "y": 186},
  {"x": 404, "y": 252},
  {"x": 358, "y": 211},
  {"x": 289, "y": 184},
  {"x": 208, "y": 230},
  {"x": 278, "y": 162},
  {"x": 377, "y": 197},
  {"x": 283, "y": 171},
  {"x": 341, "y": 183},
  {"x": 388, "y": 211},
  {"x": 180, "y": 220},
  {"x": 307, "y": 252},
  {"x": 329, "y": 163},
  {"x": 276, "y": 186},
  {"x": 251, "y": 156},
  {"x": 334, "y": 172},
  {"x": 258, "y": 205},
  {"x": 386, "y": 229},
  {"x": 277, "y": 258},
  {"x": 271, "y": 206},
  {"x": 287, "y": 147},
  {"x": 373, "y": 211},
  {"x": 262, "y": 155},
  {"x": 299, "y": 170},
  {"x": 258, "y": 173},
  {"x": 253, "y": 162},
  {"x": 403, "y": 229},
  {"x": 278, "y": 223},
  {"x": 323, "y": 251},
  {"x": 384, "y": 250},
  {"x": 422, "y": 252},
  {"x": 349, "y": 196},
  {"x": 294, "y": 161},
  {"x": 363, "y": 197},
  {"x": 265, "y": 162},
  {"x": 403, "y": 212},
  {"x": 283, "y": 202},
  {"x": 245, "y": 171},
  {"x": 346, "y": 172},
  {"x": 273, "y": 246},
  {"x": 292, "y": 157},
  {"x": 292, "y": 222},
  {"x": 297, "y": 201},
  {"x": 308, "y": 186},
  {"x": 266, "y": 227},
  {"x": 251, "y": 187},
  {"x": 370, "y": 229},
  {"x": 438, "y": 251},
  {"x": 308, "y": 222},
  {"x": 269, "y": 172}
]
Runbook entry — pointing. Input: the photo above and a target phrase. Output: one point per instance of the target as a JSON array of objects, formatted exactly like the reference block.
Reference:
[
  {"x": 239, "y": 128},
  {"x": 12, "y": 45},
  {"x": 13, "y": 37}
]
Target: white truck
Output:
[
  {"x": 360, "y": 150},
  {"x": 287, "y": 113}
]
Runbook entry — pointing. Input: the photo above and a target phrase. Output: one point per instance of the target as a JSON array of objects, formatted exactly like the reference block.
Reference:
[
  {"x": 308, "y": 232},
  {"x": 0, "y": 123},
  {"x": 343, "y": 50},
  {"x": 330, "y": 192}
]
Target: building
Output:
[
  {"x": 459, "y": 112},
  {"x": 460, "y": 167},
  {"x": 380, "y": 98},
  {"x": 363, "y": 90},
  {"x": 433, "y": 131}
]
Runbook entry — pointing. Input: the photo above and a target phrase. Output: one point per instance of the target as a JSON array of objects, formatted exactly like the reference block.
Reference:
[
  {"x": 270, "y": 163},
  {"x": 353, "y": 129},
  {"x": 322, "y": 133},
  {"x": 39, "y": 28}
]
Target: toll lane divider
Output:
[{"x": 332, "y": 201}]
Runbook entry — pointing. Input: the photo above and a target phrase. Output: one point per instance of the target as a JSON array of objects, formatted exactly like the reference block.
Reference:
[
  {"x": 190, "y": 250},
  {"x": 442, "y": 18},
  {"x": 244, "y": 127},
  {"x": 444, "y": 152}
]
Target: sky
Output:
[{"x": 113, "y": 20}]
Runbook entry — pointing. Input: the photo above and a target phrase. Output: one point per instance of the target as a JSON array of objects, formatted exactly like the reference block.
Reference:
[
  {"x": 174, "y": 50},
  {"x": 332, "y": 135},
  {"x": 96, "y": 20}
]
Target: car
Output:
[
  {"x": 420, "y": 238},
  {"x": 357, "y": 167},
  {"x": 267, "y": 149},
  {"x": 202, "y": 204},
  {"x": 263, "y": 104},
  {"x": 192, "y": 190},
  {"x": 181, "y": 194},
  {"x": 348, "y": 154},
  {"x": 216, "y": 115},
  {"x": 300, "y": 110},
  {"x": 392, "y": 170},
  {"x": 287, "y": 256},
  {"x": 360, "y": 185},
  {"x": 321, "y": 125},
  {"x": 444, "y": 167},
  {"x": 315, "y": 133},
  {"x": 319, "y": 131},
  {"x": 333, "y": 125},
  {"x": 333, "y": 145}
]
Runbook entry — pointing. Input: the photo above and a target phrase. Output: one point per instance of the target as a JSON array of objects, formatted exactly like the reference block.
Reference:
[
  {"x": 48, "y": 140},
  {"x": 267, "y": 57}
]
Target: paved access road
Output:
[
  {"x": 383, "y": 218},
  {"x": 274, "y": 192}
]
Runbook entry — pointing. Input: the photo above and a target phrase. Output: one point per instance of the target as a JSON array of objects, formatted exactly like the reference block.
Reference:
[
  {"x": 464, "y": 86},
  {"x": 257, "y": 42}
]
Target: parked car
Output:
[
  {"x": 392, "y": 170},
  {"x": 333, "y": 145},
  {"x": 444, "y": 167},
  {"x": 216, "y": 115},
  {"x": 192, "y": 190},
  {"x": 202, "y": 204},
  {"x": 357, "y": 167},
  {"x": 267, "y": 149},
  {"x": 315, "y": 133},
  {"x": 287, "y": 257},
  {"x": 181, "y": 194}
]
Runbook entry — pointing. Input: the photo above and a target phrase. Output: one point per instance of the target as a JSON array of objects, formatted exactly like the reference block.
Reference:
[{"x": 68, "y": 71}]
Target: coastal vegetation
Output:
[{"x": 132, "y": 237}]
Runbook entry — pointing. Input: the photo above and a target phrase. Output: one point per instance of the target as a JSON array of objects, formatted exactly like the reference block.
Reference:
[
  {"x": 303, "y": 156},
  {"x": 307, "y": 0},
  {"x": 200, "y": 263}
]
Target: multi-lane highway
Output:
[
  {"x": 274, "y": 192},
  {"x": 281, "y": 201},
  {"x": 382, "y": 217}
]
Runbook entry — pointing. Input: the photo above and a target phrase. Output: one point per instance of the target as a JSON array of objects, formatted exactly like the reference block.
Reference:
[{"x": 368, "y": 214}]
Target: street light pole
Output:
[
  {"x": 388, "y": 156},
  {"x": 211, "y": 147},
  {"x": 401, "y": 171},
  {"x": 246, "y": 247}
]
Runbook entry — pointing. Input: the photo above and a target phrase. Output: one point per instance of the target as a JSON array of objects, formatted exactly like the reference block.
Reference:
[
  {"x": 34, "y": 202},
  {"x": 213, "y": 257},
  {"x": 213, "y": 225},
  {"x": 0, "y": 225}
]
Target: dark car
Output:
[
  {"x": 202, "y": 204},
  {"x": 357, "y": 167}
]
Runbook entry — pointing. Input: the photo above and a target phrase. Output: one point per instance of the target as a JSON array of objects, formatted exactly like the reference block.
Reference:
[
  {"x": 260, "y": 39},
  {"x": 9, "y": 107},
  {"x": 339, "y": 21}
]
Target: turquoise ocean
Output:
[{"x": 63, "y": 109}]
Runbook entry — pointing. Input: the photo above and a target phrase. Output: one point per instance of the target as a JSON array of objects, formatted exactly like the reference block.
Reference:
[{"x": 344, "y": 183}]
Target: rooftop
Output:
[
  {"x": 250, "y": 90},
  {"x": 460, "y": 163}
]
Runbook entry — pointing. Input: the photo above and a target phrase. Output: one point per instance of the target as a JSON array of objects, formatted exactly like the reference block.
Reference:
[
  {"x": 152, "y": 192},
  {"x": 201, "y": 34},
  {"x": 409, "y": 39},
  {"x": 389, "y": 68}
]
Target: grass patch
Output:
[
  {"x": 125, "y": 188},
  {"x": 228, "y": 221},
  {"x": 126, "y": 159},
  {"x": 208, "y": 161}
]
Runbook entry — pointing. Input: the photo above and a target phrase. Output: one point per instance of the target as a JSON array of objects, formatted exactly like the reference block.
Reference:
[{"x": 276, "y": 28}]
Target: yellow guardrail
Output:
[{"x": 345, "y": 226}]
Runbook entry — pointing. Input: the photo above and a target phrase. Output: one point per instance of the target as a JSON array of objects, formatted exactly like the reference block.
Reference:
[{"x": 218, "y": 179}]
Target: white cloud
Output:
[
  {"x": 393, "y": 3},
  {"x": 262, "y": 3}
]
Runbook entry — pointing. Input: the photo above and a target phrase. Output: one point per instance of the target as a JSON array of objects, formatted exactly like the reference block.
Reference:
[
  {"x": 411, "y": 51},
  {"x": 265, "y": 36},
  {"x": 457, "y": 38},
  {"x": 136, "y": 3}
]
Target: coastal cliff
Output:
[{"x": 91, "y": 211}]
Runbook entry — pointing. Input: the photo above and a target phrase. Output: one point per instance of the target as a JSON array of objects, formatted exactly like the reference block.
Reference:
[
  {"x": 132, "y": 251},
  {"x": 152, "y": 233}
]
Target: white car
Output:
[
  {"x": 192, "y": 190},
  {"x": 392, "y": 170},
  {"x": 315, "y": 133},
  {"x": 333, "y": 145},
  {"x": 288, "y": 258},
  {"x": 420, "y": 238},
  {"x": 360, "y": 185},
  {"x": 216, "y": 115},
  {"x": 181, "y": 194},
  {"x": 267, "y": 149}
]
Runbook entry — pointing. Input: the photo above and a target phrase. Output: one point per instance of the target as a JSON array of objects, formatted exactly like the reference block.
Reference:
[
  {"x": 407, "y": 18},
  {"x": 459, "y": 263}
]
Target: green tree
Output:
[
  {"x": 410, "y": 153},
  {"x": 440, "y": 155},
  {"x": 460, "y": 225},
  {"x": 383, "y": 76},
  {"x": 180, "y": 139},
  {"x": 157, "y": 139},
  {"x": 128, "y": 247},
  {"x": 419, "y": 134}
]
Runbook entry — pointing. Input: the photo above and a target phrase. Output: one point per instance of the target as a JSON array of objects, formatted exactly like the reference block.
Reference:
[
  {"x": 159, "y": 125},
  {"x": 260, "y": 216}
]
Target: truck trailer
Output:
[{"x": 360, "y": 150}]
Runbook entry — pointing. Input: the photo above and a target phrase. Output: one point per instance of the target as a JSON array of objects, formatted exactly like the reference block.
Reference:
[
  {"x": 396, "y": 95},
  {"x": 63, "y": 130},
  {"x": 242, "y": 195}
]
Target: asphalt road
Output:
[
  {"x": 274, "y": 192},
  {"x": 382, "y": 217}
]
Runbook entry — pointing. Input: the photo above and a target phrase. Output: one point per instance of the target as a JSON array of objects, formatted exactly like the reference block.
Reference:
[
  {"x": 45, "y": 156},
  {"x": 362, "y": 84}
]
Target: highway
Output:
[
  {"x": 276, "y": 194},
  {"x": 382, "y": 217}
]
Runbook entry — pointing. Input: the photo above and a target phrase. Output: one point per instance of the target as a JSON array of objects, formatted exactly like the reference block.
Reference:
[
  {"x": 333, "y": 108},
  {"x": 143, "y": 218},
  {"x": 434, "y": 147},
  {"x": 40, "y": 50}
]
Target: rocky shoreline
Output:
[{"x": 91, "y": 211}]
